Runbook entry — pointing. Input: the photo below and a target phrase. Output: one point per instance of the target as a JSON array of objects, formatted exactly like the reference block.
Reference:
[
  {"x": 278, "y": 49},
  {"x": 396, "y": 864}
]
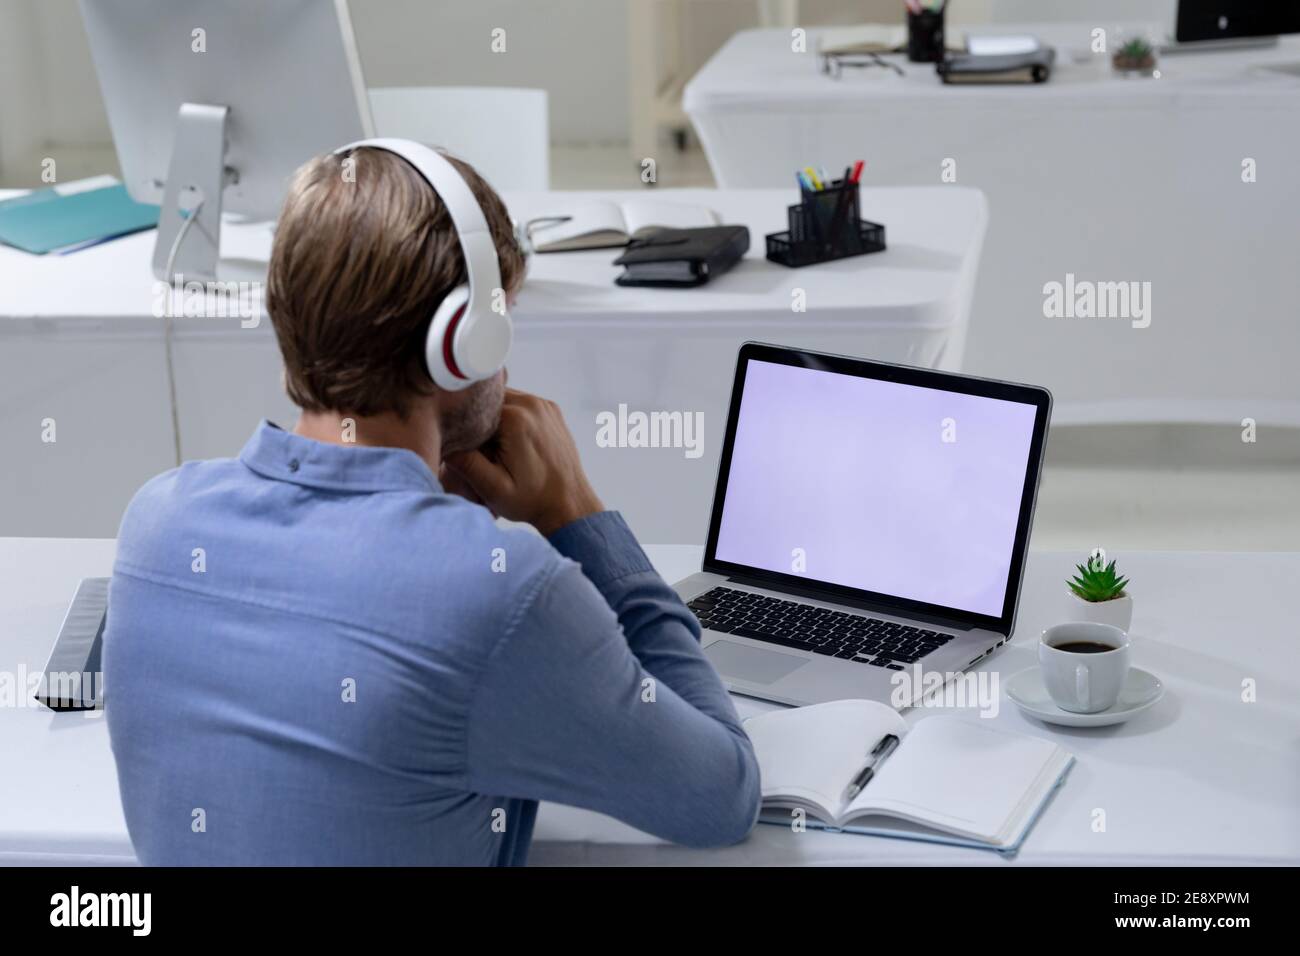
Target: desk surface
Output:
[
  {"x": 920, "y": 282},
  {"x": 1202, "y": 777},
  {"x": 756, "y": 70}
]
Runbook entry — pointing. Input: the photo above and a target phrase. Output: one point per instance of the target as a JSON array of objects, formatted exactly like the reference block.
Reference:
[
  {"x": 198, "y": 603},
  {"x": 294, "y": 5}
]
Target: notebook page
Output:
[
  {"x": 1012, "y": 44},
  {"x": 810, "y": 754},
  {"x": 958, "y": 775},
  {"x": 643, "y": 216},
  {"x": 592, "y": 218}
]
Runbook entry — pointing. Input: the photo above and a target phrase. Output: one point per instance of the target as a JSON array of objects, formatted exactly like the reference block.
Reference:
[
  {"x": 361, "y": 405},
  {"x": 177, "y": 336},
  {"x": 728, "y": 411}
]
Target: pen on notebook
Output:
[{"x": 882, "y": 750}]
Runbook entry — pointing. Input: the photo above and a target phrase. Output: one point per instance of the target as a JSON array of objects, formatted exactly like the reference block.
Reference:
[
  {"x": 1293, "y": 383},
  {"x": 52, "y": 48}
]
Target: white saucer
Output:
[{"x": 1028, "y": 692}]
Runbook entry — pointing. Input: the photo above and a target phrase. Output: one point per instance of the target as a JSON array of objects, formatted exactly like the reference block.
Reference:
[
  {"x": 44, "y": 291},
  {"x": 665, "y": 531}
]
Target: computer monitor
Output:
[
  {"x": 1234, "y": 22},
  {"x": 214, "y": 105}
]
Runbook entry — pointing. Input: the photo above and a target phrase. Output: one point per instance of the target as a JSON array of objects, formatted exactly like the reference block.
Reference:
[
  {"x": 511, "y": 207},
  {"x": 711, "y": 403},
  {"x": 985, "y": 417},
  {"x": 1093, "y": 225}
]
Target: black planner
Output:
[{"x": 682, "y": 257}]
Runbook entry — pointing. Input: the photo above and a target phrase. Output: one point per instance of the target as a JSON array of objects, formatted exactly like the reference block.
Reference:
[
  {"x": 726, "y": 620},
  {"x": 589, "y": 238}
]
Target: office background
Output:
[
  {"x": 1120, "y": 165},
  {"x": 1149, "y": 485},
  {"x": 49, "y": 95}
]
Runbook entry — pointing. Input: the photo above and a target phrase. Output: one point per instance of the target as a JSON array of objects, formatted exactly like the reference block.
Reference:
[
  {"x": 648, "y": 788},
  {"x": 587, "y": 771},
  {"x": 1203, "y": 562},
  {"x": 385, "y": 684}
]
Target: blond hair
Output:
[{"x": 364, "y": 251}]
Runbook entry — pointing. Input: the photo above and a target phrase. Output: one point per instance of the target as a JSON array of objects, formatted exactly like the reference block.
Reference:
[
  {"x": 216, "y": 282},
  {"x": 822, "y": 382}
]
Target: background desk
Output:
[
  {"x": 1108, "y": 178},
  {"x": 79, "y": 343},
  {"x": 1200, "y": 778}
]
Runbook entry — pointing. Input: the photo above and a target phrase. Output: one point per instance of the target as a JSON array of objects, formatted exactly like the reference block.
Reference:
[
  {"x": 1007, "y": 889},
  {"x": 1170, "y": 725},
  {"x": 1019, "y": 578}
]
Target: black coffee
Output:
[{"x": 1084, "y": 647}]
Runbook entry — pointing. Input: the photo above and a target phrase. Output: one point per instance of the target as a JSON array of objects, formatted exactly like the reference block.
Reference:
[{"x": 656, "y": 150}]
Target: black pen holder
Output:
[
  {"x": 826, "y": 225},
  {"x": 925, "y": 36}
]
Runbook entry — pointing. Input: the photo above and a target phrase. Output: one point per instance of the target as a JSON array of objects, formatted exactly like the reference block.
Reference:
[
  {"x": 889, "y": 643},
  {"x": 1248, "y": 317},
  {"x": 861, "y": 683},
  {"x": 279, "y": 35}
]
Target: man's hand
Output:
[{"x": 530, "y": 471}]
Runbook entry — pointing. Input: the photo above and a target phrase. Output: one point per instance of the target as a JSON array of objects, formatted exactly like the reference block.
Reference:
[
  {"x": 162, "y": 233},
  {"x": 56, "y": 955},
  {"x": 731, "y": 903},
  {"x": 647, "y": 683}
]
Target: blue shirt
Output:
[{"x": 316, "y": 655}]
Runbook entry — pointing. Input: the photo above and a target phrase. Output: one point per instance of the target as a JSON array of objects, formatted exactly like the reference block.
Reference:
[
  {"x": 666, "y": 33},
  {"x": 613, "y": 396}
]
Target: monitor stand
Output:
[{"x": 196, "y": 179}]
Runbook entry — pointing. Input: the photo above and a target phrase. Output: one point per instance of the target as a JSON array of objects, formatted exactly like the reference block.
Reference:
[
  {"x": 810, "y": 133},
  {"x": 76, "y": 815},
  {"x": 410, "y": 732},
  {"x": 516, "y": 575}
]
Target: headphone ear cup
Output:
[
  {"x": 439, "y": 346},
  {"x": 482, "y": 343}
]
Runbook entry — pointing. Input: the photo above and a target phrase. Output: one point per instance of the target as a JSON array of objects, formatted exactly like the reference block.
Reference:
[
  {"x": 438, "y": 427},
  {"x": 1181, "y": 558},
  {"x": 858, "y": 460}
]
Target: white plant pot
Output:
[{"x": 1118, "y": 611}]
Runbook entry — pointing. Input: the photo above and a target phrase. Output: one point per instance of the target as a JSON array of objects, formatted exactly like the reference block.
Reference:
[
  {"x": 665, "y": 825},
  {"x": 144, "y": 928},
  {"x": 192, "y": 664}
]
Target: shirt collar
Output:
[{"x": 283, "y": 456}]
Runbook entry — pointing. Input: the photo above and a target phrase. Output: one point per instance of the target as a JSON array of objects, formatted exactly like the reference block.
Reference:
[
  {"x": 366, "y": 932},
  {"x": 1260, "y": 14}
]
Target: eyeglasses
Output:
[{"x": 833, "y": 64}]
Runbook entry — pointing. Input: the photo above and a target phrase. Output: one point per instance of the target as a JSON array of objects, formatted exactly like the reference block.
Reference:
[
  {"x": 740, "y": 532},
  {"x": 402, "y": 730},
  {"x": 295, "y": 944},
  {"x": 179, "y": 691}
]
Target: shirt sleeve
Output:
[{"x": 599, "y": 696}]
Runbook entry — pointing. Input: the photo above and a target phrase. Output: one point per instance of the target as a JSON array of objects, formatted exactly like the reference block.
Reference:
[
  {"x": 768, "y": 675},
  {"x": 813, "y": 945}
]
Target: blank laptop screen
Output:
[{"x": 898, "y": 489}]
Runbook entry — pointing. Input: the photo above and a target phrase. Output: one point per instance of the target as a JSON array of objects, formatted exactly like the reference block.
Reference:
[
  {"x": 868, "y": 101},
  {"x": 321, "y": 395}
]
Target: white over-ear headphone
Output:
[{"x": 468, "y": 339}]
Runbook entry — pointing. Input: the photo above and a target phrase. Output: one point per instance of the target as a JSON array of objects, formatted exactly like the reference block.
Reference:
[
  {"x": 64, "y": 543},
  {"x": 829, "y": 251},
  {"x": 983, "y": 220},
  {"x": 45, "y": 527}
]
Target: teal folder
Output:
[{"x": 45, "y": 221}]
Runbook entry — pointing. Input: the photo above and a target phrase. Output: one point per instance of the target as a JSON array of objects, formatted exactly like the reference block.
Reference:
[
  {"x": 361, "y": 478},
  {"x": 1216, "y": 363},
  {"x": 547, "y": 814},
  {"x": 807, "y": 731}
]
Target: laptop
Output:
[{"x": 868, "y": 519}]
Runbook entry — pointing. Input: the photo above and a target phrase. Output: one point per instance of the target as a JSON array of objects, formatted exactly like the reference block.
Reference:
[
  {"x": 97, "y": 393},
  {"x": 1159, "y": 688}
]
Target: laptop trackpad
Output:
[{"x": 751, "y": 664}]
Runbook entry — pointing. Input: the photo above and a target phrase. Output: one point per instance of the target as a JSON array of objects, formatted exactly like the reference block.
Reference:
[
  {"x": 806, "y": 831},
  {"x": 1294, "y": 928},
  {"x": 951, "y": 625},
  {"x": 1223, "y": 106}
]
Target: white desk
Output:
[
  {"x": 1200, "y": 778},
  {"x": 79, "y": 343},
  {"x": 1107, "y": 178}
]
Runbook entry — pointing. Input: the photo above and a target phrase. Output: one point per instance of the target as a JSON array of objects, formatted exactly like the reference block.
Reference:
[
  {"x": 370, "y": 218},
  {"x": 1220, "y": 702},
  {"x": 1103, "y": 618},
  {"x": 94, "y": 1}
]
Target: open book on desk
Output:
[
  {"x": 948, "y": 780},
  {"x": 601, "y": 224}
]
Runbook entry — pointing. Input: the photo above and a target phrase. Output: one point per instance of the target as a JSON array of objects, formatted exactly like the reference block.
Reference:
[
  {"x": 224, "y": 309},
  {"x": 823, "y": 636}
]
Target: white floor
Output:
[
  {"x": 1169, "y": 509},
  {"x": 611, "y": 166},
  {"x": 1170, "y": 488},
  {"x": 589, "y": 166}
]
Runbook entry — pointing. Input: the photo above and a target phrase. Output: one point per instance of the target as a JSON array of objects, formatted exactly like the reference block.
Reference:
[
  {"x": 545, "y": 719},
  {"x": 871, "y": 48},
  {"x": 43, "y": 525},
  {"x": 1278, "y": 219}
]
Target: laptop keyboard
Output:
[{"x": 822, "y": 630}]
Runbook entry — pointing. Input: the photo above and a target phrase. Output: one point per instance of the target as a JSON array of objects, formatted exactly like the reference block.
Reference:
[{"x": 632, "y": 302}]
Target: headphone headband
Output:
[
  {"x": 467, "y": 340},
  {"x": 480, "y": 251}
]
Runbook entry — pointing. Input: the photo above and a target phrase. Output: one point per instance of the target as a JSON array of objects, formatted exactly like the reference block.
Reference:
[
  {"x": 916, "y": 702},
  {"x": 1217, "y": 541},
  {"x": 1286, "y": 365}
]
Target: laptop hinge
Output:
[{"x": 817, "y": 594}]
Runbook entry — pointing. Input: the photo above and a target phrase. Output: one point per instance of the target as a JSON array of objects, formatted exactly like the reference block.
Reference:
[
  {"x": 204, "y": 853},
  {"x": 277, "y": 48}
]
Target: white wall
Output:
[
  {"x": 20, "y": 100},
  {"x": 575, "y": 49},
  {"x": 1101, "y": 11}
]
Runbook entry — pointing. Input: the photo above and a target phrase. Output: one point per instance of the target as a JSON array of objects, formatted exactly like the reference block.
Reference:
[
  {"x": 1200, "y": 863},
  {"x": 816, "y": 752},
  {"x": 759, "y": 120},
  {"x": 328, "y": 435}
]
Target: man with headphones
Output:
[{"x": 327, "y": 651}]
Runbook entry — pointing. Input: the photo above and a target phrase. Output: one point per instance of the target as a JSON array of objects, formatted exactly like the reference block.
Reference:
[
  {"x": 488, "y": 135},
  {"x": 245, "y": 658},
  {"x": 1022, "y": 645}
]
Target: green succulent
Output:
[
  {"x": 1097, "y": 581},
  {"x": 1135, "y": 49}
]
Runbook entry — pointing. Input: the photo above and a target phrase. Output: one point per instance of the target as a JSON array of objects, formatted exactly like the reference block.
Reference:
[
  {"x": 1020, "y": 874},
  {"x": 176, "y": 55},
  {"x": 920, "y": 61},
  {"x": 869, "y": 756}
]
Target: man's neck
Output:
[{"x": 418, "y": 432}]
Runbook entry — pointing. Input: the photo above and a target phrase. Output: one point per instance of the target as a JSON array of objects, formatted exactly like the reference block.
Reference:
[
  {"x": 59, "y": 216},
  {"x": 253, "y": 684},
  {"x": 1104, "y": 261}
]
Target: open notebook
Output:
[
  {"x": 597, "y": 224},
  {"x": 949, "y": 780}
]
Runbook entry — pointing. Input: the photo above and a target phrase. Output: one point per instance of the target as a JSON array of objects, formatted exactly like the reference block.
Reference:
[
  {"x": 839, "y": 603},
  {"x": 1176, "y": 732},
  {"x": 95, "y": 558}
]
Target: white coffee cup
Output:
[{"x": 1084, "y": 682}]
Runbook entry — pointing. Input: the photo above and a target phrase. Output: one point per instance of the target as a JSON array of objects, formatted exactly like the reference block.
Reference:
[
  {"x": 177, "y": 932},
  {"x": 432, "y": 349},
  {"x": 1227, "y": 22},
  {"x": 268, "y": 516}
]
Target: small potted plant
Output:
[
  {"x": 1097, "y": 593},
  {"x": 1135, "y": 57}
]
